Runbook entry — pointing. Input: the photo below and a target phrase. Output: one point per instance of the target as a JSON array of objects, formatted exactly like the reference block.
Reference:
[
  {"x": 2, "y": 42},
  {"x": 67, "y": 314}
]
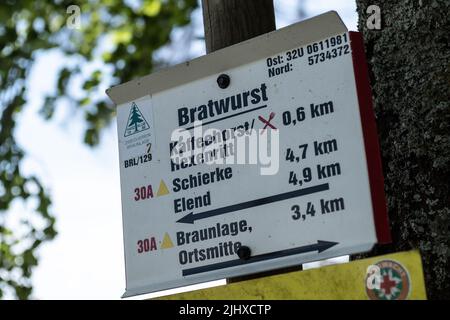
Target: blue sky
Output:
[{"x": 86, "y": 260}]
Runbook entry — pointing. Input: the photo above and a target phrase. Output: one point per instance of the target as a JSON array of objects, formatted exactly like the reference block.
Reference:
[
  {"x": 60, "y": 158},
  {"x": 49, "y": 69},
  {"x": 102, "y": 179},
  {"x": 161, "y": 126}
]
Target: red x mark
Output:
[{"x": 267, "y": 122}]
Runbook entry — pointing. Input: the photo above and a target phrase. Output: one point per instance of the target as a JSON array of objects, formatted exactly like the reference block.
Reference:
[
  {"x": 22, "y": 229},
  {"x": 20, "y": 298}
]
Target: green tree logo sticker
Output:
[{"x": 136, "y": 121}]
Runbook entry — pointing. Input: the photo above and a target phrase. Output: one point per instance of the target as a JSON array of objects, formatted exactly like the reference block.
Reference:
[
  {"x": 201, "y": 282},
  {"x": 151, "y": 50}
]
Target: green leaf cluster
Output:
[{"x": 123, "y": 36}]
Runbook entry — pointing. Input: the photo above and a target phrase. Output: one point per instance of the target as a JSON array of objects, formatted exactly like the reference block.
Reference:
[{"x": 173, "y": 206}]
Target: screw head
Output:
[
  {"x": 244, "y": 253},
  {"x": 223, "y": 81}
]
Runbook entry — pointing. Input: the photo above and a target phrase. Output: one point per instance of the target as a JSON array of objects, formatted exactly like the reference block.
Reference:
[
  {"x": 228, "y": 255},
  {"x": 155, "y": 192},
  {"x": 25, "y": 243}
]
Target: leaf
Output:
[
  {"x": 151, "y": 8},
  {"x": 122, "y": 36}
]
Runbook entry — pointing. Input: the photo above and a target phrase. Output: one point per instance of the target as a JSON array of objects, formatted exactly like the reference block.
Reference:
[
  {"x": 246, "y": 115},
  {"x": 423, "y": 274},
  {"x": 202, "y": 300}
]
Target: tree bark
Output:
[
  {"x": 409, "y": 61},
  {"x": 228, "y": 22}
]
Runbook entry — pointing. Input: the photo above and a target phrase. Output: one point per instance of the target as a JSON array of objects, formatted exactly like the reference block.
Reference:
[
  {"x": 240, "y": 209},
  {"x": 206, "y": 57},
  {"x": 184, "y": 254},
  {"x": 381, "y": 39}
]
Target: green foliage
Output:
[
  {"x": 136, "y": 29},
  {"x": 410, "y": 67}
]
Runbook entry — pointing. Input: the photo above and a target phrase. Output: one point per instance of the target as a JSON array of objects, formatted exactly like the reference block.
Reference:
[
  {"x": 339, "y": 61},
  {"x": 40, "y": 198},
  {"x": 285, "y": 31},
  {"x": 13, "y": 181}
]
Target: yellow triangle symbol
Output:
[
  {"x": 167, "y": 242},
  {"x": 162, "y": 190}
]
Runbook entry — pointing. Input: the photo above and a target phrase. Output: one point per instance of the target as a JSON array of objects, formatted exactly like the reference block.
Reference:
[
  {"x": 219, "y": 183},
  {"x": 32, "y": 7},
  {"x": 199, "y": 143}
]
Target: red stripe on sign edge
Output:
[{"x": 371, "y": 144}]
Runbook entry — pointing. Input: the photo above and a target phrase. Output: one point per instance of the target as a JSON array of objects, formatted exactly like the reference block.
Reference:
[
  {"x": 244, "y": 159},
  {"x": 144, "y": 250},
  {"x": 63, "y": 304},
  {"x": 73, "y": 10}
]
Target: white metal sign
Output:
[{"x": 276, "y": 174}]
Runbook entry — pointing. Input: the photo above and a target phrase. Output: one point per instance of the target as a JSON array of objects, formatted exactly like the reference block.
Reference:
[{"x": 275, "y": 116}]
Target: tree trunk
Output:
[
  {"x": 228, "y": 22},
  {"x": 409, "y": 61}
]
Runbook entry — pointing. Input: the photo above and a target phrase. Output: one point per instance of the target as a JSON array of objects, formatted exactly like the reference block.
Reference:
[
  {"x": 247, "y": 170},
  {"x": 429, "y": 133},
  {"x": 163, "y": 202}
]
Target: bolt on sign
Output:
[{"x": 256, "y": 157}]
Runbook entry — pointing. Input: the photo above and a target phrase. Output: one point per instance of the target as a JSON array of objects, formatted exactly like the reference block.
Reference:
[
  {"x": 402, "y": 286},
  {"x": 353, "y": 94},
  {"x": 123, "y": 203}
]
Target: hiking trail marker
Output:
[{"x": 185, "y": 223}]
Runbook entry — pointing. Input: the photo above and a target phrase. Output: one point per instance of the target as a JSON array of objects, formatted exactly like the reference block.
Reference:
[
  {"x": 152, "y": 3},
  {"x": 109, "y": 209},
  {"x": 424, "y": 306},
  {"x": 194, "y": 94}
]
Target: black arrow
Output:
[
  {"x": 320, "y": 246},
  {"x": 191, "y": 217}
]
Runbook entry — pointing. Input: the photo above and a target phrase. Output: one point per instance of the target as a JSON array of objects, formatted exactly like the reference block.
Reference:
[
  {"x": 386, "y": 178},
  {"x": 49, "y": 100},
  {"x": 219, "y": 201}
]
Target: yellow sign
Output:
[{"x": 389, "y": 277}]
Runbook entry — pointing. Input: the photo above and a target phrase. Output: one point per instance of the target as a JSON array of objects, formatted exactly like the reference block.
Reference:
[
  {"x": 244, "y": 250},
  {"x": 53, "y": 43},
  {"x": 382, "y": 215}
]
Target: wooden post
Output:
[{"x": 228, "y": 22}]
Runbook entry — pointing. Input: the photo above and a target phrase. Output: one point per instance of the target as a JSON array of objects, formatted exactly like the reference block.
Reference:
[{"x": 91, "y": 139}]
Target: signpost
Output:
[{"x": 311, "y": 189}]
